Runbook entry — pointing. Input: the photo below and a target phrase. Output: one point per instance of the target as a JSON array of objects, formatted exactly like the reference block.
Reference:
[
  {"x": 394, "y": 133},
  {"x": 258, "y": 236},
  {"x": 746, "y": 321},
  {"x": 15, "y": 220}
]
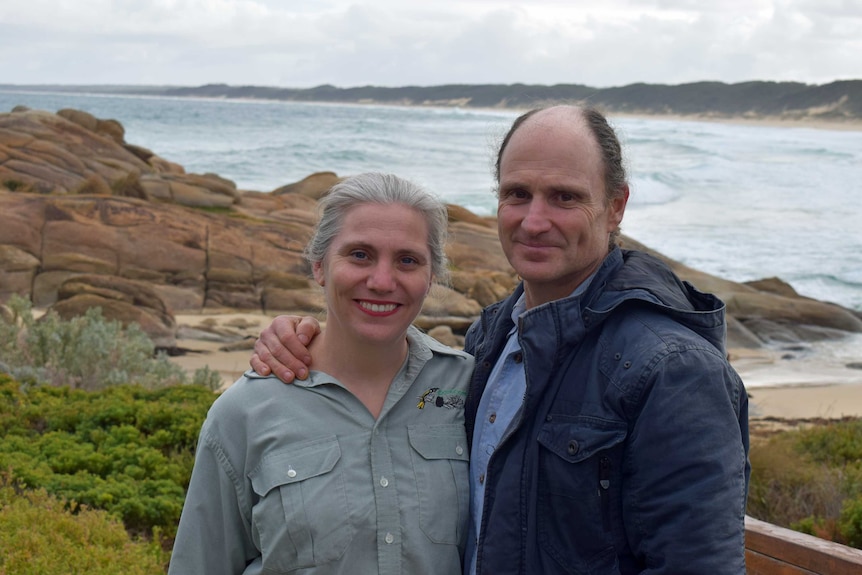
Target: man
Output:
[{"x": 609, "y": 433}]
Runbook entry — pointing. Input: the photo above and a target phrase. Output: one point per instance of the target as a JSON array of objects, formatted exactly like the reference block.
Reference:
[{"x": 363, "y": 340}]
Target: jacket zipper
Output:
[{"x": 604, "y": 486}]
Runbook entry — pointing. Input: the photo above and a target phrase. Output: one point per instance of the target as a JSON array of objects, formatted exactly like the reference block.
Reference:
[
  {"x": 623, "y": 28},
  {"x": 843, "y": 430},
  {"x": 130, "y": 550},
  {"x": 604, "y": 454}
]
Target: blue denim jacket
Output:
[{"x": 631, "y": 455}]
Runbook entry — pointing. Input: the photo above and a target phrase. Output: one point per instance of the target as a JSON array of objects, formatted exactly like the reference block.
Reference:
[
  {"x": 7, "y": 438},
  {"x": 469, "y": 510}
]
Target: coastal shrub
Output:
[
  {"x": 16, "y": 186},
  {"x": 810, "y": 480},
  {"x": 87, "y": 352},
  {"x": 126, "y": 450},
  {"x": 39, "y": 534}
]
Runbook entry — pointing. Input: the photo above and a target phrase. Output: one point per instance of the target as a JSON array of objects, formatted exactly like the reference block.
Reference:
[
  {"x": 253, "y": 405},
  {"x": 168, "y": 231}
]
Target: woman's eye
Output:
[{"x": 409, "y": 261}]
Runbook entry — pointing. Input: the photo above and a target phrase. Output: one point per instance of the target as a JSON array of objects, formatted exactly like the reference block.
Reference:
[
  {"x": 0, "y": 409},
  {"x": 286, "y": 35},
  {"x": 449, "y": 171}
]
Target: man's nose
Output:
[{"x": 536, "y": 220}]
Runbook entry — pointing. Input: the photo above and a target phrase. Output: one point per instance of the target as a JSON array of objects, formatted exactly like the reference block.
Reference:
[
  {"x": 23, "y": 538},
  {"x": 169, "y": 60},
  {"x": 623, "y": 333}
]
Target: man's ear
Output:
[{"x": 617, "y": 207}]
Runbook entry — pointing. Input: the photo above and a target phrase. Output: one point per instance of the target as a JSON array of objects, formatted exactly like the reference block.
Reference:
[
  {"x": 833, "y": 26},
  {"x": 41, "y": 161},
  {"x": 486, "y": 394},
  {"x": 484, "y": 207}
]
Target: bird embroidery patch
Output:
[{"x": 448, "y": 398}]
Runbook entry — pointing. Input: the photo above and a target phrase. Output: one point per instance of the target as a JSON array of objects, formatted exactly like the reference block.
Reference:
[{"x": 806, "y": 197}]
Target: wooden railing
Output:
[{"x": 773, "y": 550}]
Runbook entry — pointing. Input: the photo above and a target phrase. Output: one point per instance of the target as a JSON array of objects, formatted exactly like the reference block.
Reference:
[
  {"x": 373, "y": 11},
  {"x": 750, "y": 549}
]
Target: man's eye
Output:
[{"x": 359, "y": 255}]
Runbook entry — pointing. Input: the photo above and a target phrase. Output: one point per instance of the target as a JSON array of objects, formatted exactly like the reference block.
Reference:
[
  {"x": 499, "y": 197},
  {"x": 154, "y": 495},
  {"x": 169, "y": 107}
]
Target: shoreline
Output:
[
  {"x": 846, "y": 124},
  {"x": 782, "y": 392}
]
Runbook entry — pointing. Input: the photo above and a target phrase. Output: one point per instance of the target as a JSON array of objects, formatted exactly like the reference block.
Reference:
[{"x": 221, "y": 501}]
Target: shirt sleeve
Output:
[{"x": 214, "y": 533}]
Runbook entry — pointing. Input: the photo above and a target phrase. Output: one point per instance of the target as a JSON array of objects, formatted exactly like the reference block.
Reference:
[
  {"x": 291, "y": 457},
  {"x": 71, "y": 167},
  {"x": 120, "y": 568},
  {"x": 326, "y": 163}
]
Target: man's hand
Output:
[{"x": 282, "y": 348}]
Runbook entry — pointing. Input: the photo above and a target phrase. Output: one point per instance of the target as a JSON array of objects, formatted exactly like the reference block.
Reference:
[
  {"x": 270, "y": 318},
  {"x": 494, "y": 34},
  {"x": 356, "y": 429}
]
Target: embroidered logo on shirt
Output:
[{"x": 448, "y": 398}]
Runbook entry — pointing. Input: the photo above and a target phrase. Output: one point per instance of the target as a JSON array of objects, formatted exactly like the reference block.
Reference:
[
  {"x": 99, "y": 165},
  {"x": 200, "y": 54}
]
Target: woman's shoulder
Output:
[
  {"x": 437, "y": 347},
  {"x": 248, "y": 392}
]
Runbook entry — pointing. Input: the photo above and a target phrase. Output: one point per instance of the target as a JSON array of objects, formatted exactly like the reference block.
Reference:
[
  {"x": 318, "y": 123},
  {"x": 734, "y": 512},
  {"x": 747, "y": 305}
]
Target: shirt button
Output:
[
  {"x": 459, "y": 450},
  {"x": 389, "y": 538},
  {"x": 384, "y": 482},
  {"x": 482, "y": 479},
  {"x": 291, "y": 473},
  {"x": 493, "y": 418},
  {"x": 519, "y": 357}
]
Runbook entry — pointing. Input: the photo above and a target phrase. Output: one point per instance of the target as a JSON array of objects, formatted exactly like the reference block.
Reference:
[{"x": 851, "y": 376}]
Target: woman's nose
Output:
[{"x": 381, "y": 278}]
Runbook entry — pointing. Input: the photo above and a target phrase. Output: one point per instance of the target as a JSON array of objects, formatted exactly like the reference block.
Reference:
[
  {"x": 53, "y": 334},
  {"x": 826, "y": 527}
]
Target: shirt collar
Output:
[{"x": 520, "y": 307}]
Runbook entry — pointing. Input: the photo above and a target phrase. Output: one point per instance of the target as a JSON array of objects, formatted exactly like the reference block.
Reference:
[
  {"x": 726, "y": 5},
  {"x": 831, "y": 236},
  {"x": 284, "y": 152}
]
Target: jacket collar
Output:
[{"x": 625, "y": 276}]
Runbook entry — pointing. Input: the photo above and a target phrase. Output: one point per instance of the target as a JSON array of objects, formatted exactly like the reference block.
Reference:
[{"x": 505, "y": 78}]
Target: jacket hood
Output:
[{"x": 628, "y": 276}]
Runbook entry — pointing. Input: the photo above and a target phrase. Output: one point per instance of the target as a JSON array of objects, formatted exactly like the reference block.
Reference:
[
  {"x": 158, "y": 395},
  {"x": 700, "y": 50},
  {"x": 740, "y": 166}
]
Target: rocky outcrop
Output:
[
  {"x": 72, "y": 152},
  {"x": 768, "y": 311},
  {"x": 128, "y": 301},
  {"x": 89, "y": 220}
]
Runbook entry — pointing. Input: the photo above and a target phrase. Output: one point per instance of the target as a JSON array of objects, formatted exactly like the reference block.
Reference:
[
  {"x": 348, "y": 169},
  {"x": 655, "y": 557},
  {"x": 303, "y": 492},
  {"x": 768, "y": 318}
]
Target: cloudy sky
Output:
[{"x": 304, "y": 43}]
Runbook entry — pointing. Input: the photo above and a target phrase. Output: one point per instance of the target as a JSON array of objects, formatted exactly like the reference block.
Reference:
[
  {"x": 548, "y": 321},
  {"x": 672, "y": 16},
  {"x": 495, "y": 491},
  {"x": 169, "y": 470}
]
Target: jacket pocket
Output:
[
  {"x": 441, "y": 465},
  {"x": 302, "y": 517},
  {"x": 578, "y": 491}
]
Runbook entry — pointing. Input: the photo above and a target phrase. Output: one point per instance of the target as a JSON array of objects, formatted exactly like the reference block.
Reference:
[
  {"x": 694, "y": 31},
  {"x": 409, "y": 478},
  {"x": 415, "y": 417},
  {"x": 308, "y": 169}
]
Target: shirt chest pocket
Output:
[
  {"x": 441, "y": 465},
  {"x": 301, "y": 518}
]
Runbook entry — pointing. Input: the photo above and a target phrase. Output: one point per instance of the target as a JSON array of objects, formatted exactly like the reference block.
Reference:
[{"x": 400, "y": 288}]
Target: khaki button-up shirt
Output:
[{"x": 302, "y": 477}]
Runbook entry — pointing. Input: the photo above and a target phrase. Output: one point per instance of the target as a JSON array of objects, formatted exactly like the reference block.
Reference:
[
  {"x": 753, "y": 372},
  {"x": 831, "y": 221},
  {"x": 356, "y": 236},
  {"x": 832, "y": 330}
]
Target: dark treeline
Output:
[{"x": 836, "y": 101}]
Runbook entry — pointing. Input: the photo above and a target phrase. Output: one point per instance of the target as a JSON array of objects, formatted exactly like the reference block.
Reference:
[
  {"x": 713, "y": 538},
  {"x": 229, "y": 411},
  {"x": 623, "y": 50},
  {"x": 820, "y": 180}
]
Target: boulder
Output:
[
  {"x": 307, "y": 301},
  {"x": 443, "y": 301},
  {"x": 476, "y": 247},
  {"x": 17, "y": 270},
  {"x": 123, "y": 300},
  {"x": 313, "y": 186},
  {"x": 444, "y": 334}
]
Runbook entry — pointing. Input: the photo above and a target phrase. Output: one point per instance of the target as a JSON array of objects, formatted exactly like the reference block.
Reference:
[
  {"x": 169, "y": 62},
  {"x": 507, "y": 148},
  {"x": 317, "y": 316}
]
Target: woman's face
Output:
[{"x": 376, "y": 272}]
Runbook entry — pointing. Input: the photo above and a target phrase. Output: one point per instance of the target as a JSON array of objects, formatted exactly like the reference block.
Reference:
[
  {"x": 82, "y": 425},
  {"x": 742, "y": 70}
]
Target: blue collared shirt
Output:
[{"x": 501, "y": 403}]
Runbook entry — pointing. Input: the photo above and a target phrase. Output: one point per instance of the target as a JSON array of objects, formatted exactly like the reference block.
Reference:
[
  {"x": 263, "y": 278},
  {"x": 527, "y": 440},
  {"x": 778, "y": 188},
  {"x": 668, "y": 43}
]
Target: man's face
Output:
[{"x": 553, "y": 219}]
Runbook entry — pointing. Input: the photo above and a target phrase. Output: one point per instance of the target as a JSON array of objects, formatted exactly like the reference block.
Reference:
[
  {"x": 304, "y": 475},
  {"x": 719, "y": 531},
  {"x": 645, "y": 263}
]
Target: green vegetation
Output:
[
  {"x": 86, "y": 352},
  {"x": 16, "y": 186},
  {"x": 811, "y": 481},
  {"x": 837, "y": 100},
  {"x": 38, "y": 534},
  {"x": 126, "y": 450},
  {"x": 97, "y": 439}
]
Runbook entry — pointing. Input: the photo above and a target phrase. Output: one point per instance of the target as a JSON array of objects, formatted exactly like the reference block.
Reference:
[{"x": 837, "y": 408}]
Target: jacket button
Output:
[{"x": 573, "y": 447}]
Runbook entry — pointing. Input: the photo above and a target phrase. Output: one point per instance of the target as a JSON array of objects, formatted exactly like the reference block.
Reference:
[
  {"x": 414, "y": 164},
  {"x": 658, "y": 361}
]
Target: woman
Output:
[{"x": 362, "y": 467}]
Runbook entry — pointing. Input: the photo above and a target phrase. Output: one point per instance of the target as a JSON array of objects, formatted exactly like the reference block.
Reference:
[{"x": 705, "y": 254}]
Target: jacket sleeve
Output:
[
  {"x": 687, "y": 467},
  {"x": 214, "y": 533}
]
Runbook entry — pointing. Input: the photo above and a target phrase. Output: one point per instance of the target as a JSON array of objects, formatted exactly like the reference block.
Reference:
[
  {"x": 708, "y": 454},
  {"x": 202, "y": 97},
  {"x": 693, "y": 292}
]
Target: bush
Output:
[
  {"x": 811, "y": 481},
  {"x": 38, "y": 534},
  {"x": 126, "y": 450},
  {"x": 87, "y": 352}
]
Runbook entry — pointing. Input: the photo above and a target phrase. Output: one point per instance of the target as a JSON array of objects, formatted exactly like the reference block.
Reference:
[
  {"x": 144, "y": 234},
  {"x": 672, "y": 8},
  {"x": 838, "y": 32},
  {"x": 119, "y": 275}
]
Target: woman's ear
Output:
[{"x": 317, "y": 271}]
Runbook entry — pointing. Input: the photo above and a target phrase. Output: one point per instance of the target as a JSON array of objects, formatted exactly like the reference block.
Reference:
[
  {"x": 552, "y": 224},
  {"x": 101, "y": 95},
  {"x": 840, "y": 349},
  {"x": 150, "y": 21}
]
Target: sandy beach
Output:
[{"x": 805, "y": 388}]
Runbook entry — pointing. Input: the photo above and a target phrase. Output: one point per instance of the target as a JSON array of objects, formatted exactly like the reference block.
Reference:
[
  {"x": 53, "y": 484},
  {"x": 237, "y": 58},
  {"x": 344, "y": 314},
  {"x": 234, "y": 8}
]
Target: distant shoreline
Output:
[
  {"x": 767, "y": 121},
  {"x": 849, "y": 125},
  {"x": 833, "y": 106}
]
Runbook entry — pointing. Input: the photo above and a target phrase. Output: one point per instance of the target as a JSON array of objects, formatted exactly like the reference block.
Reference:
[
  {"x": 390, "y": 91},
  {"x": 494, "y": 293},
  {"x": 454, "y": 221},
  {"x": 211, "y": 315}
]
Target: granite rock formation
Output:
[{"x": 87, "y": 219}]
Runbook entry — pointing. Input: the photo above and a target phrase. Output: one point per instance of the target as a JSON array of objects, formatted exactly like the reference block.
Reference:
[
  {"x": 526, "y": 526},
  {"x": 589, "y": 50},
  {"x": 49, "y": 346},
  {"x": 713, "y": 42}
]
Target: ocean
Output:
[{"x": 739, "y": 201}]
